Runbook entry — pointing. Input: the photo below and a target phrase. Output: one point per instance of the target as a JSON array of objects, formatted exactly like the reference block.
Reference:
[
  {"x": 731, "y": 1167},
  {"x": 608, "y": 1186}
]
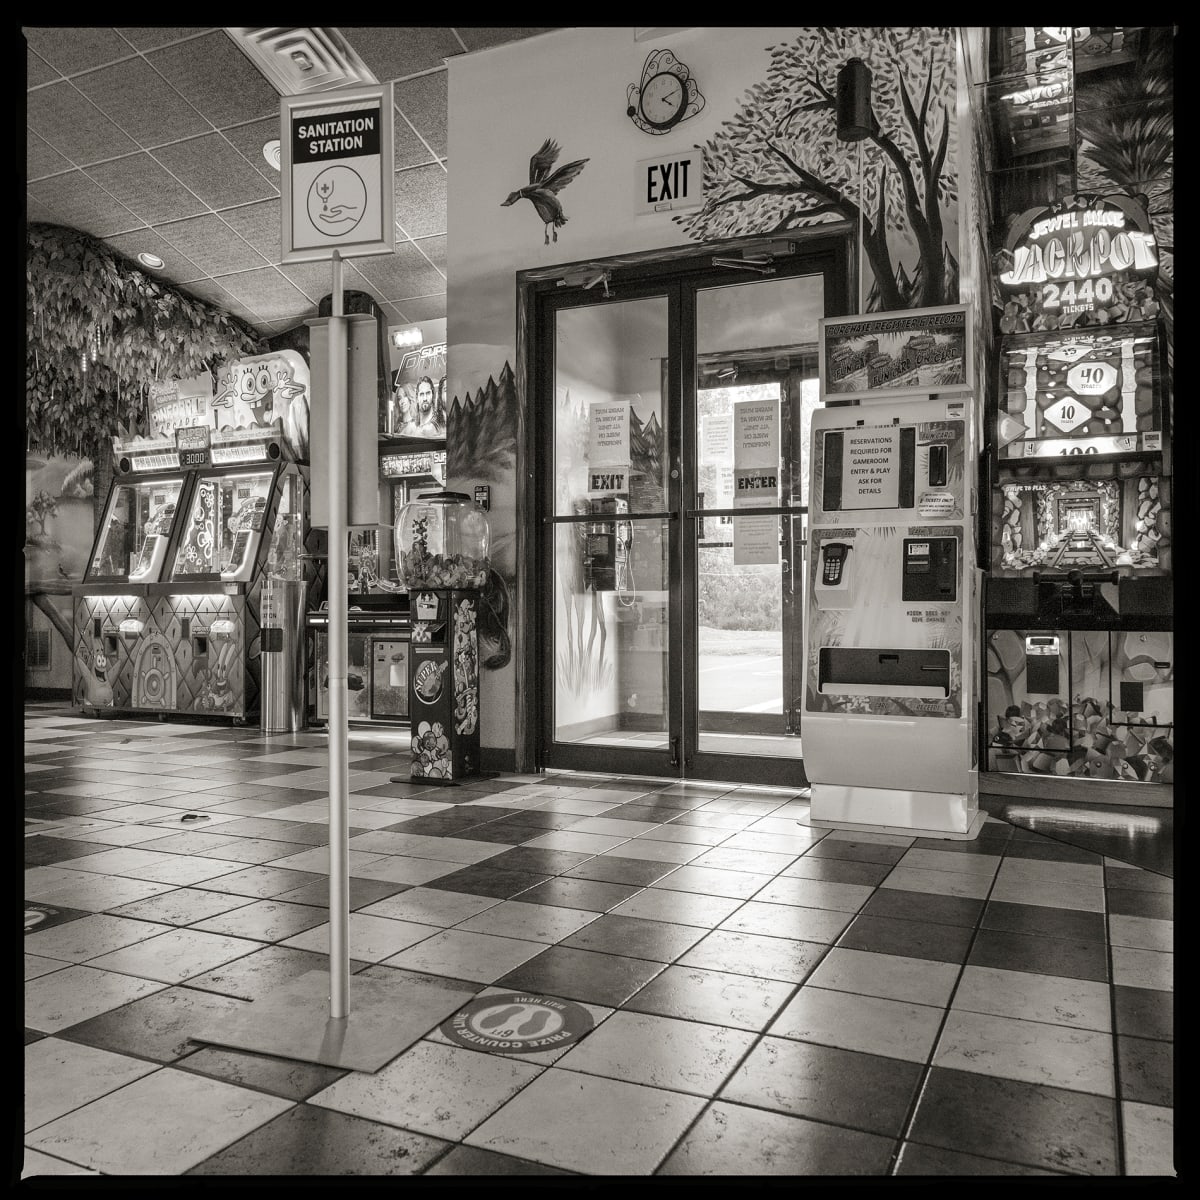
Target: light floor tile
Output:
[
  {"x": 317, "y": 859},
  {"x": 1143, "y": 968},
  {"x": 789, "y": 921},
  {"x": 588, "y": 843},
  {"x": 696, "y": 835},
  {"x": 399, "y": 868},
  {"x": 1051, "y": 999},
  {"x": 759, "y": 862},
  {"x": 185, "y": 869},
  {"x": 98, "y": 892},
  {"x": 652, "y": 850},
  {"x": 429, "y": 906},
  {"x": 815, "y": 893},
  {"x": 36, "y": 1164},
  {"x": 869, "y": 1024},
  {"x": 948, "y": 860},
  {"x": 176, "y": 955},
  {"x": 1049, "y": 893},
  {"x": 589, "y": 1124},
  {"x": 772, "y": 843},
  {"x": 119, "y": 861},
  {"x": 372, "y": 939},
  {"x": 939, "y": 883},
  {"x": 1055, "y": 1055},
  {"x": 45, "y": 879},
  {"x": 878, "y": 839},
  {"x": 892, "y": 976},
  {"x": 547, "y": 923},
  {"x": 660, "y": 1052},
  {"x": 61, "y": 1076},
  {"x": 161, "y": 1124},
  {"x": 1089, "y": 874},
  {"x": 460, "y": 954},
  {"x": 1149, "y": 1139},
  {"x": 712, "y": 881},
  {"x": 616, "y": 826},
  {"x": 677, "y": 908},
  {"x": 431, "y": 1088},
  {"x": 1141, "y": 933},
  {"x": 35, "y": 966},
  {"x": 89, "y": 937},
  {"x": 64, "y": 998}
]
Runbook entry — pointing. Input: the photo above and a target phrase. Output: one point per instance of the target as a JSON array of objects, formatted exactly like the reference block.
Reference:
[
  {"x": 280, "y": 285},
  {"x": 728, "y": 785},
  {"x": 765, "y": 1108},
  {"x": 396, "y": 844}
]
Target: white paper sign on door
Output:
[
  {"x": 608, "y": 433},
  {"x": 755, "y": 481},
  {"x": 756, "y": 433},
  {"x": 716, "y": 439}
]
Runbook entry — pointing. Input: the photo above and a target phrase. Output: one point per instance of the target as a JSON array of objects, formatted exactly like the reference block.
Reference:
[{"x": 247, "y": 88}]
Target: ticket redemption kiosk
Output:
[
  {"x": 891, "y": 632},
  {"x": 168, "y": 617}
]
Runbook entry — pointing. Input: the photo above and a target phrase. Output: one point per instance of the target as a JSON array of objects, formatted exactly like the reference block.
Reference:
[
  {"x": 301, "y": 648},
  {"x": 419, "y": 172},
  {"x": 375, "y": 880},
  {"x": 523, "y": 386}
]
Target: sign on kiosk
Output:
[{"x": 337, "y": 161}]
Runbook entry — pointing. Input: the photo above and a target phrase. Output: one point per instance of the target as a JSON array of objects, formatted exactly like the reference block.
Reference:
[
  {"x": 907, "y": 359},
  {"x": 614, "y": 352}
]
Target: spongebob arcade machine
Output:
[
  {"x": 889, "y": 720},
  {"x": 168, "y": 618}
]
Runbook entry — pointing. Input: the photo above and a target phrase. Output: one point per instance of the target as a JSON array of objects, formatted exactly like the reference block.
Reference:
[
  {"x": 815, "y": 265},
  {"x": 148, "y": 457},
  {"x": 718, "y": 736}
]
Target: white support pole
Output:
[{"x": 339, "y": 771}]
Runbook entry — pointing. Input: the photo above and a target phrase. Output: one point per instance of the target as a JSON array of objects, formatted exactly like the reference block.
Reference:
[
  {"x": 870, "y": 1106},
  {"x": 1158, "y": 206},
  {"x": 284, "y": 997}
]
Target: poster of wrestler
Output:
[{"x": 417, "y": 408}]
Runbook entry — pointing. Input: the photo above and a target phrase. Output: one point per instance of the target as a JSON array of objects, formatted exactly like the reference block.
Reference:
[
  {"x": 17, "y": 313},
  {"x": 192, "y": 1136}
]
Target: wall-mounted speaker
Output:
[{"x": 855, "y": 120}]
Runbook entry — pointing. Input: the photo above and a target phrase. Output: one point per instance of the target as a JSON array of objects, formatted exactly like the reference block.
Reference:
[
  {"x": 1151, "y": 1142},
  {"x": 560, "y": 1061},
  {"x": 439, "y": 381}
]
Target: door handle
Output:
[{"x": 674, "y": 752}]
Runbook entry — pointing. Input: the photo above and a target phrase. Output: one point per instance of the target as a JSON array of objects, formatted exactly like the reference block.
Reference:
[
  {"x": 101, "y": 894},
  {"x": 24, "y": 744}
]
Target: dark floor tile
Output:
[
  {"x": 307, "y": 1140},
  {"x": 362, "y": 892},
  {"x": 278, "y": 831},
  {"x": 483, "y": 879},
  {"x": 286, "y": 1077},
  {"x": 916, "y": 1159},
  {"x": 592, "y": 894},
  {"x": 635, "y": 937},
  {"x": 911, "y": 939},
  {"x": 1141, "y": 881},
  {"x": 471, "y": 1160},
  {"x": 1051, "y": 852},
  {"x": 843, "y": 1087},
  {"x": 395, "y": 763},
  {"x": 255, "y": 976},
  {"x": 1017, "y": 1122},
  {"x": 839, "y": 870},
  {"x": 540, "y": 820},
  {"x": 263, "y": 882},
  {"x": 870, "y": 852},
  {"x": 1159, "y": 906},
  {"x": 899, "y": 903},
  {"x": 393, "y": 791},
  {"x": 1069, "y": 958},
  {"x": 1146, "y": 1071},
  {"x": 452, "y": 821},
  {"x": 979, "y": 845},
  {"x": 40, "y": 916},
  {"x": 1043, "y": 921},
  {"x": 613, "y": 869},
  {"x": 734, "y": 1139},
  {"x": 32, "y": 1035},
  {"x": 158, "y": 1027},
  {"x": 582, "y": 975},
  {"x": 539, "y": 860},
  {"x": 1145, "y": 1012},
  {"x": 501, "y": 833},
  {"x": 42, "y": 851}
]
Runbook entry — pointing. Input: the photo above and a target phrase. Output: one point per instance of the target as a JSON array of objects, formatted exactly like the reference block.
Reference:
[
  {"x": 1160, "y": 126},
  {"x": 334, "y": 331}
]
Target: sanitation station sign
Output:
[{"x": 336, "y": 157}]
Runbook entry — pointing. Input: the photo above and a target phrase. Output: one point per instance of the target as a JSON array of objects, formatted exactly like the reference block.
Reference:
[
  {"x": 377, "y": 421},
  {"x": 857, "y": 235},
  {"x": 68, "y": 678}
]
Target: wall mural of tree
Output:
[{"x": 777, "y": 165}]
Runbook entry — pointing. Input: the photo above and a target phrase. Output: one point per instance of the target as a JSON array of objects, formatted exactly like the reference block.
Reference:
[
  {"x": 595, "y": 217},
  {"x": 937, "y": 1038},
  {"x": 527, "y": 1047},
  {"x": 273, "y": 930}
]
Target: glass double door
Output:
[{"x": 673, "y": 459}]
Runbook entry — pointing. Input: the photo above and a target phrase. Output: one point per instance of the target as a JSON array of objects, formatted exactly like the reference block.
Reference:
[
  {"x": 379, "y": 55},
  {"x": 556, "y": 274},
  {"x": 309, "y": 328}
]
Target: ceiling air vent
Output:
[{"x": 303, "y": 60}]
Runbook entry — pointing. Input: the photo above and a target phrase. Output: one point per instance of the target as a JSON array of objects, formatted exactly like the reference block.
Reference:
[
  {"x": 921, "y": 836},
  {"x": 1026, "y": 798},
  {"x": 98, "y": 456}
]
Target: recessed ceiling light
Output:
[
  {"x": 150, "y": 260},
  {"x": 271, "y": 153}
]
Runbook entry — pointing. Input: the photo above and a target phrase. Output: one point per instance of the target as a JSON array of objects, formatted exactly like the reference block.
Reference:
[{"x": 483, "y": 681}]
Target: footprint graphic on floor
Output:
[
  {"x": 535, "y": 1024},
  {"x": 498, "y": 1018}
]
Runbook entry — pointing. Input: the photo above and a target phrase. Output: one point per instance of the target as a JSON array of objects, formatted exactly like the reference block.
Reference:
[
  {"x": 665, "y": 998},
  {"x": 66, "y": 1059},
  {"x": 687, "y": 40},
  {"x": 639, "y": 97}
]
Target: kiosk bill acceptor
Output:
[{"x": 890, "y": 683}]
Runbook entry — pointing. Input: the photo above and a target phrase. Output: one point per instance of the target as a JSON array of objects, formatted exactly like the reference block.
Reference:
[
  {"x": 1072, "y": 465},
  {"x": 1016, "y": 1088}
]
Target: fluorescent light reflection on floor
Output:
[{"x": 1090, "y": 820}]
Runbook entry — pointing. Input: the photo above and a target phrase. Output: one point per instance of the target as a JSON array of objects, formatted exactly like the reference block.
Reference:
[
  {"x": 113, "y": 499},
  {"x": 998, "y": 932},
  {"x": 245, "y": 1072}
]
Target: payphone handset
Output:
[
  {"x": 606, "y": 546},
  {"x": 831, "y": 588}
]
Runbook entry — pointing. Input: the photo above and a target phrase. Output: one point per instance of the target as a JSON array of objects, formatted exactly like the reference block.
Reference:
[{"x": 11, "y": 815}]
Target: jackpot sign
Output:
[{"x": 1081, "y": 255}]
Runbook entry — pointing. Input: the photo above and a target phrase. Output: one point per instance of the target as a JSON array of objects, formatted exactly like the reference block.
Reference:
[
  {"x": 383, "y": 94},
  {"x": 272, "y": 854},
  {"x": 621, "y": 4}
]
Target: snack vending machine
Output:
[
  {"x": 892, "y": 630},
  {"x": 443, "y": 682}
]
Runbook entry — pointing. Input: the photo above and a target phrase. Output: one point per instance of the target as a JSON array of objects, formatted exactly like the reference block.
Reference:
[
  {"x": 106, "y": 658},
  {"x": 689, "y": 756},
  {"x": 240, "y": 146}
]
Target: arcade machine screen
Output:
[
  {"x": 135, "y": 531},
  {"x": 224, "y": 525}
]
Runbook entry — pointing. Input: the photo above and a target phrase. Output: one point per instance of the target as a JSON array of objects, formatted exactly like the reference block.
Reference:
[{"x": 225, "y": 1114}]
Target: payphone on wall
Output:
[{"x": 892, "y": 630}]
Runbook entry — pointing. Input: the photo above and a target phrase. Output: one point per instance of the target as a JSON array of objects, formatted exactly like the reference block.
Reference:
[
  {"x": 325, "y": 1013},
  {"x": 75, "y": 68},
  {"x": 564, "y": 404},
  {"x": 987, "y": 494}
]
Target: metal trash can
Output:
[{"x": 281, "y": 643}]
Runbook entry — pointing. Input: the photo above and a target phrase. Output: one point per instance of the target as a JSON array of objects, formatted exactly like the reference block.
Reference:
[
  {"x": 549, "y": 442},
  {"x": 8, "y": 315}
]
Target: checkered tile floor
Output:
[{"x": 768, "y": 998}]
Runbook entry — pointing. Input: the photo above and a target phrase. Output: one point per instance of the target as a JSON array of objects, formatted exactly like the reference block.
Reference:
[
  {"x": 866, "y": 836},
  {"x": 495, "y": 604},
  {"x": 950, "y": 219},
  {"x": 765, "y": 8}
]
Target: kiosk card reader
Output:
[{"x": 892, "y": 630}]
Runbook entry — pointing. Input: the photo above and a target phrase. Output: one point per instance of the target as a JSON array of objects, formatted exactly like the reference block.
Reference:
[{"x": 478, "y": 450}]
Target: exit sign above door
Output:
[{"x": 669, "y": 182}]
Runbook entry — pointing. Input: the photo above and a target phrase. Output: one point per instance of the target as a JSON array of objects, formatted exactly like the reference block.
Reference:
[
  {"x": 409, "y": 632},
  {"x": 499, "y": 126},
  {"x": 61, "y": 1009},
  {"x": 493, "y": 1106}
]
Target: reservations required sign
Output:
[{"x": 336, "y": 158}]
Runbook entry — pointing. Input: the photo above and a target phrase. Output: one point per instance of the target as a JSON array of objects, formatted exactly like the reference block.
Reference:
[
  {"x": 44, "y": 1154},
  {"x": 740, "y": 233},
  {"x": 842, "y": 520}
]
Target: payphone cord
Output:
[{"x": 624, "y": 569}]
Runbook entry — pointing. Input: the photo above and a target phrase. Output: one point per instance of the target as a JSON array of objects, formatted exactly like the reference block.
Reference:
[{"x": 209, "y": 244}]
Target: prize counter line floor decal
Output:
[{"x": 517, "y": 1023}]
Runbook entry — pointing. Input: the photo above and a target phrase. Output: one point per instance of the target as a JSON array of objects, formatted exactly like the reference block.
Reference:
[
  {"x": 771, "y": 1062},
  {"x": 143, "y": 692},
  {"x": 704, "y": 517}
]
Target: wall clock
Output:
[{"x": 666, "y": 95}]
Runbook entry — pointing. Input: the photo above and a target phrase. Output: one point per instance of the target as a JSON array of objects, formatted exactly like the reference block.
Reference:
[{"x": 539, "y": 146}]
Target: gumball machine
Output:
[{"x": 442, "y": 541}]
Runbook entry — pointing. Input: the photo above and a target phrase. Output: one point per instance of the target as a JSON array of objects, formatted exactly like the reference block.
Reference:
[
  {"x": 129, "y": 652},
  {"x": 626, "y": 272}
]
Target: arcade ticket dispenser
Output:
[{"x": 891, "y": 631}]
